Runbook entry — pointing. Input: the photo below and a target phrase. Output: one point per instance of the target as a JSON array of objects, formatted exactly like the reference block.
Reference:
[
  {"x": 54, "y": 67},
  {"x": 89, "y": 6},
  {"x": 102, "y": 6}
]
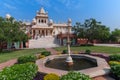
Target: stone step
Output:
[{"x": 43, "y": 43}]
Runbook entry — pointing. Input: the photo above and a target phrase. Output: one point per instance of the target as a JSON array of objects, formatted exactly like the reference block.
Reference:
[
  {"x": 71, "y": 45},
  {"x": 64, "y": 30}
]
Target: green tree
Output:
[
  {"x": 10, "y": 31},
  {"x": 92, "y": 29},
  {"x": 115, "y": 35}
]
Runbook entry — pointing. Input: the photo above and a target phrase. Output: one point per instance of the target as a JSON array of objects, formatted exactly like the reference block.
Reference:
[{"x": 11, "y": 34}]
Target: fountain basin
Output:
[{"x": 99, "y": 66}]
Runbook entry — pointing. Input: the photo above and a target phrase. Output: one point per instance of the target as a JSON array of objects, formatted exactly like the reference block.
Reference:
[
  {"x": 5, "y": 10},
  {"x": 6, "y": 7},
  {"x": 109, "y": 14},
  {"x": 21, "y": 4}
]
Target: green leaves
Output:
[
  {"x": 10, "y": 30},
  {"x": 75, "y": 76},
  {"x": 25, "y": 59},
  {"x": 19, "y": 72},
  {"x": 115, "y": 57},
  {"x": 46, "y": 53}
]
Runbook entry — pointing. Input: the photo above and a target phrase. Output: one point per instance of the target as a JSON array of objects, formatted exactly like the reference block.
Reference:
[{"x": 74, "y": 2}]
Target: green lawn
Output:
[
  {"x": 15, "y": 54},
  {"x": 97, "y": 49}
]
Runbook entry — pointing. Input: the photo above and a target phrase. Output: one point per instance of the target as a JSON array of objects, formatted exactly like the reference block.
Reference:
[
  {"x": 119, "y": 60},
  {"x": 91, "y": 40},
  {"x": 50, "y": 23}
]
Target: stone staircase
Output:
[{"x": 45, "y": 42}]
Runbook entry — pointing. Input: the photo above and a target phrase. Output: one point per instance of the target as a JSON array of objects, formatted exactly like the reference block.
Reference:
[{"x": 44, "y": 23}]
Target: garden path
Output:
[{"x": 7, "y": 63}]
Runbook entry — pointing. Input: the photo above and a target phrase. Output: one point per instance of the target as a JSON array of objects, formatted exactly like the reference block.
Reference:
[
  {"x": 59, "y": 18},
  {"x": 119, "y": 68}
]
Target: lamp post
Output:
[{"x": 69, "y": 58}]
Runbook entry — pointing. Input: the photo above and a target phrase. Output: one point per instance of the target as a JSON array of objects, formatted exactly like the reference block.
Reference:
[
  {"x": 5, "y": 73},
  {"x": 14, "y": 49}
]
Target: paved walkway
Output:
[
  {"x": 106, "y": 77},
  {"x": 110, "y": 45},
  {"x": 8, "y": 63},
  {"x": 53, "y": 51}
]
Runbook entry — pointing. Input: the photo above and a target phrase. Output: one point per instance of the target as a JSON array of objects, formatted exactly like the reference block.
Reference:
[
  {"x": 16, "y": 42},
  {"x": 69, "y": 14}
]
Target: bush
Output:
[
  {"x": 114, "y": 62},
  {"x": 115, "y": 57},
  {"x": 87, "y": 51},
  {"x": 75, "y": 76},
  {"x": 51, "y": 76},
  {"x": 86, "y": 45},
  {"x": 25, "y": 59},
  {"x": 41, "y": 56},
  {"x": 46, "y": 53},
  {"x": 25, "y": 71},
  {"x": 65, "y": 52},
  {"x": 115, "y": 68}
]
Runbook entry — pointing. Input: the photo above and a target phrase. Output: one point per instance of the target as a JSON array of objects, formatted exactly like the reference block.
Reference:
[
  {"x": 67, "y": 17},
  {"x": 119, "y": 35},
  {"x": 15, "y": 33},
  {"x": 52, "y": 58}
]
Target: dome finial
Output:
[{"x": 8, "y": 16}]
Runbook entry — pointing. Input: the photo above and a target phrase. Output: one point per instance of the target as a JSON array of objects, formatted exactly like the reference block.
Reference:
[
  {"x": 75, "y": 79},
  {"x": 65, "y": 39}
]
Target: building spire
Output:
[{"x": 42, "y": 10}]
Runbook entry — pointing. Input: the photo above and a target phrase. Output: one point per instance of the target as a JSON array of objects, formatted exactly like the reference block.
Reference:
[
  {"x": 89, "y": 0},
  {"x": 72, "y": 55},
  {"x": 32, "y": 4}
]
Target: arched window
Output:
[
  {"x": 39, "y": 20},
  {"x": 42, "y": 21},
  {"x": 45, "y": 21}
]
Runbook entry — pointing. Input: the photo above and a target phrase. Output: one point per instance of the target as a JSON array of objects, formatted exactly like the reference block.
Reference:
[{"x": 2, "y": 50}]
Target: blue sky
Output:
[{"x": 106, "y": 11}]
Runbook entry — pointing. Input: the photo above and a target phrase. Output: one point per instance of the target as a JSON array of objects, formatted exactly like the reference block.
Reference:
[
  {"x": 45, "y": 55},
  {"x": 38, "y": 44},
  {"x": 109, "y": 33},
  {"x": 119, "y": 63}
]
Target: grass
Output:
[
  {"x": 15, "y": 54},
  {"x": 95, "y": 49}
]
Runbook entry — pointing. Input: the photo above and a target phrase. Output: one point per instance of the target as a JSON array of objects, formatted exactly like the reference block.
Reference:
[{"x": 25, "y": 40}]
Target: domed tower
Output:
[{"x": 41, "y": 17}]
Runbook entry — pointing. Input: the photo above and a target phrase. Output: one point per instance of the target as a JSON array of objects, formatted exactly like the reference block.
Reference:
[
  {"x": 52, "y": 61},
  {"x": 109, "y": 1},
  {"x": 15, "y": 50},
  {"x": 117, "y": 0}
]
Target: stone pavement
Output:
[
  {"x": 53, "y": 51},
  {"x": 106, "y": 77},
  {"x": 7, "y": 63}
]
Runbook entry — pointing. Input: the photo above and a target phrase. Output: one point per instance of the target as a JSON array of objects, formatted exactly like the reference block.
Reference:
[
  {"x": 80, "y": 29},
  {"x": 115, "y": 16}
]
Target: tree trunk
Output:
[{"x": 1, "y": 46}]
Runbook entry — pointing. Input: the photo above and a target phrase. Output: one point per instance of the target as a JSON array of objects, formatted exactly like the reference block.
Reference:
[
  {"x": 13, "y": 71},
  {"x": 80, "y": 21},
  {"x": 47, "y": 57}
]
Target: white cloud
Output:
[
  {"x": 71, "y": 3},
  {"x": 9, "y": 6},
  {"x": 44, "y": 3}
]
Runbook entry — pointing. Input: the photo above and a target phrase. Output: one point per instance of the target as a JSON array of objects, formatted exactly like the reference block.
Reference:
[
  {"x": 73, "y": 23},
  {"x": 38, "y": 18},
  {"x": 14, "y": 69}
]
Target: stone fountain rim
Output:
[{"x": 102, "y": 68}]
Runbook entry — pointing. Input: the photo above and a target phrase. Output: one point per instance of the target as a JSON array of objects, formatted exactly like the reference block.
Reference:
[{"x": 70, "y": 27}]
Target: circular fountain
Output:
[{"x": 61, "y": 64}]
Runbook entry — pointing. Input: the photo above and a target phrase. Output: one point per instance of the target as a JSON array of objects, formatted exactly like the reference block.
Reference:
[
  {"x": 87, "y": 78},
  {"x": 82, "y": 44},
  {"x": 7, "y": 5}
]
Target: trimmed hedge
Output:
[
  {"x": 25, "y": 59},
  {"x": 46, "y": 53},
  {"x": 65, "y": 51},
  {"x": 75, "y": 76},
  {"x": 115, "y": 57},
  {"x": 87, "y": 51},
  {"x": 19, "y": 72},
  {"x": 115, "y": 68}
]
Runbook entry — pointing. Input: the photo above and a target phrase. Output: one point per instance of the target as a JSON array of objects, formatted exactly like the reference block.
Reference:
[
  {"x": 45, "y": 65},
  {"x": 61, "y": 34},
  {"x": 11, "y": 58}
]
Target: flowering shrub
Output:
[
  {"x": 75, "y": 76},
  {"x": 51, "y": 76},
  {"x": 114, "y": 62},
  {"x": 40, "y": 56},
  {"x": 25, "y": 71}
]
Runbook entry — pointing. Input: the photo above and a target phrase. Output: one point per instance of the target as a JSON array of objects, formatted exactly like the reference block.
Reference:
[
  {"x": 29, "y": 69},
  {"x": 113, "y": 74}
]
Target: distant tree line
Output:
[
  {"x": 92, "y": 29},
  {"x": 11, "y": 31}
]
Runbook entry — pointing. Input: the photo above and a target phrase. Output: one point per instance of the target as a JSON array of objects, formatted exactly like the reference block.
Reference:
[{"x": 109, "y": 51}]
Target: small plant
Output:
[
  {"x": 46, "y": 53},
  {"x": 65, "y": 52},
  {"x": 41, "y": 56},
  {"x": 115, "y": 57},
  {"x": 115, "y": 68},
  {"x": 51, "y": 76},
  {"x": 114, "y": 62},
  {"x": 87, "y": 51},
  {"x": 25, "y": 59},
  {"x": 75, "y": 76},
  {"x": 25, "y": 71}
]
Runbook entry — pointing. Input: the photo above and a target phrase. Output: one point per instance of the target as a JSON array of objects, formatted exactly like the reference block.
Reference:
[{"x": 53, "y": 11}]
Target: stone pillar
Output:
[
  {"x": 44, "y": 33},
  {"x": 32, "y": 34}
]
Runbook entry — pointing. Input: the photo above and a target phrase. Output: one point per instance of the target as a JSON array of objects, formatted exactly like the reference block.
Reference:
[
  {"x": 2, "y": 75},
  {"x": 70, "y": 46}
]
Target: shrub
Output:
[
  {"x": 46, "y": 53},
  {"x": 115, "y": 68},
  {"x": 25, "y": 71},
  {"x": 51, "y": 76},
  {"x": 65, "y": 52},
  {"x": 75, "y": 76},
  {"x": 87, "y": 51},
  {"x": 114, "y": 62},
  {"x": 25, "y": 59},
  {"x": 41, "y": 56},
  {"x": 115, "y": 57},
  {"x": 86, "y": 45}
]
